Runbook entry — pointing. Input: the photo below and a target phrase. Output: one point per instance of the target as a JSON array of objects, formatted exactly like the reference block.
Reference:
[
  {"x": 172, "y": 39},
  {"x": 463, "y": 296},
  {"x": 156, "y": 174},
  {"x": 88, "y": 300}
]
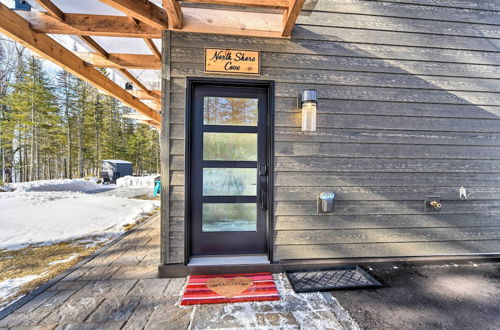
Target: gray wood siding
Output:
[{"x": 409, "y": 106}]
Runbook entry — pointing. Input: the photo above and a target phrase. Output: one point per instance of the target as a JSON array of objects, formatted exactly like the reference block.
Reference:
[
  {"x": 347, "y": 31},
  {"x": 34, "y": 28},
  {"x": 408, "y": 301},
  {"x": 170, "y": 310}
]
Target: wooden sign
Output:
[{"x": 231, "y": 61}]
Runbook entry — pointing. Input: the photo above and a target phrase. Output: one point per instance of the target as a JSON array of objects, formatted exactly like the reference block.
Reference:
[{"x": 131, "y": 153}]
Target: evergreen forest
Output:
[{"x": 54, "y": 125}]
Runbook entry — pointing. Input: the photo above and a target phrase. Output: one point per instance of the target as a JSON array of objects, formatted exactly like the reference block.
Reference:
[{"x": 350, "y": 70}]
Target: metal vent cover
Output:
[{"x": 331, "y": 279}]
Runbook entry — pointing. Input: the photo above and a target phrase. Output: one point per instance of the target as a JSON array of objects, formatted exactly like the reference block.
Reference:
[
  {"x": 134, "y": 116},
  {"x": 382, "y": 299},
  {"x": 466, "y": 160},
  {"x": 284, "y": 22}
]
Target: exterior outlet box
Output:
[
  {"x": 427, "y": 204},
  {"x": 325, "y": 202}
]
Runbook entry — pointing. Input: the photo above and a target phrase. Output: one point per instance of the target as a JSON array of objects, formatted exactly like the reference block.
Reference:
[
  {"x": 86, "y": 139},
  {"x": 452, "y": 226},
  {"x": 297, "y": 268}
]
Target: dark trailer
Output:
[
  {"x": 298, "y": 133},
  {"x": 113, "y": 169}
]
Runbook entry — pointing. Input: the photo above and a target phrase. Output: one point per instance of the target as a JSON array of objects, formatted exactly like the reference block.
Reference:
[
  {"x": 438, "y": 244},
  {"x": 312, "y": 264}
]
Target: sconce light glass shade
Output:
[
  {"x": 309, "y": 102},
  {"x": 309, "y": 117}
]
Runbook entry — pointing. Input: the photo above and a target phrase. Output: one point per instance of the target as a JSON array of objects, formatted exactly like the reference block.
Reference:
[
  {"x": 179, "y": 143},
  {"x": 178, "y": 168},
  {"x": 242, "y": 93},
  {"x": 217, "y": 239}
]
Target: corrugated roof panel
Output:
[
  {"x": 123, "y": 45},
  {"x": 94, "y": 7}
]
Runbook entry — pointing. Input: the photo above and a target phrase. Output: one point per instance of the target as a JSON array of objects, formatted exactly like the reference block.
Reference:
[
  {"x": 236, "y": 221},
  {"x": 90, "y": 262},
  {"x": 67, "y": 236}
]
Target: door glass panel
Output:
[
  {"x": 229, "y": 217},
  {"x": 229, "y": 181},
  {"x": 229, "y": 146},
  {"x": 230, "y": 111}
]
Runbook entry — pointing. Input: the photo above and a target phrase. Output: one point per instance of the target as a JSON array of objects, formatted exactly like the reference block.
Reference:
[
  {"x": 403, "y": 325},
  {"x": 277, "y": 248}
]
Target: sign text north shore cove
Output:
[{"x": 231, "y": 61}]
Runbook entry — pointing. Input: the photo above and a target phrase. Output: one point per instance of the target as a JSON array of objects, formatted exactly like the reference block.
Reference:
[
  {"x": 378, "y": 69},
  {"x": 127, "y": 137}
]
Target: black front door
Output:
[{"x": 228, "y": 169}]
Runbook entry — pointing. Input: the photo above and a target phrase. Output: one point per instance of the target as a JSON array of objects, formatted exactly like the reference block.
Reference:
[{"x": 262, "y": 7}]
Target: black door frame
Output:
[{"x": 191, "y": 83}]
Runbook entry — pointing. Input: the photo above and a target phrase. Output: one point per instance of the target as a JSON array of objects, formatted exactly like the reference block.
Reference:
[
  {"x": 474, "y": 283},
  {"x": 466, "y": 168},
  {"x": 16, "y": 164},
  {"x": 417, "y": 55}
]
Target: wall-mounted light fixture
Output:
[
  {"x": 308, "y": 102},
  {"x": 129, "y": 86}
]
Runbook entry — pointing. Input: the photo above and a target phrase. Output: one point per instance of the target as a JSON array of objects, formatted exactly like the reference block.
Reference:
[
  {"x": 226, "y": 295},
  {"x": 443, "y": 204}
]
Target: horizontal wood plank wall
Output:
[{"x": 409, "y": 106}]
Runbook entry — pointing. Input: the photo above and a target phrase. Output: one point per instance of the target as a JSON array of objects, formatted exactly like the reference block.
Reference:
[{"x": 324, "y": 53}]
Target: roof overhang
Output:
[{"x": 142, "y": 19}]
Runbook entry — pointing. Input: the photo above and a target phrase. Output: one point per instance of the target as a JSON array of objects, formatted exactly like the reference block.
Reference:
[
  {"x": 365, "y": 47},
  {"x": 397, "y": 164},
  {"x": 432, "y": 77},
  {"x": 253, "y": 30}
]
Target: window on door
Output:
[{"x": 228, "y": 146}]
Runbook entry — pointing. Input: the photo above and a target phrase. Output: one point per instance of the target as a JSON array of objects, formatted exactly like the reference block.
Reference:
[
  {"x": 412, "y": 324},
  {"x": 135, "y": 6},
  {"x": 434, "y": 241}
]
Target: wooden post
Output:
[{"x": 165, "y": 151}]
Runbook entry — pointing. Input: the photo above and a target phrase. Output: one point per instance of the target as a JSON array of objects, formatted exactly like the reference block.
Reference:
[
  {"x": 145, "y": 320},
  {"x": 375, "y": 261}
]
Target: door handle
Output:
[
  {"x": 262, "y": 169},
  {"x": 263, "y": 195}
]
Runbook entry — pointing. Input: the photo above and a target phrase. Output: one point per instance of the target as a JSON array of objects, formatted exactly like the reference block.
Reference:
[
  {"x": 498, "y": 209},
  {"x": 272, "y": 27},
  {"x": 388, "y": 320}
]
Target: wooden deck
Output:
[
  {"x": 119, "y": 289},
  {"x": 118, "y": 286}
]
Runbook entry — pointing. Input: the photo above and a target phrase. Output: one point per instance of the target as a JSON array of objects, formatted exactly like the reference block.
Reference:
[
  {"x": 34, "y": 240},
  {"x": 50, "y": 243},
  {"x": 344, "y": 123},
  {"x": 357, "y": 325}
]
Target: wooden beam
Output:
[
  {"x": 156, "y": 125},
  {"x": 143, "y": 10},
  {"x": 91, "y": 25},
  {"x": 174, "y": 13},
  {"x": 144, "y": 121},
  {"x": 196, "y": 20},
  {"x": 245, "y": 3},
  {"x": 52, "y": 9},
  {"x": 134, "y": 20},
  {"x": 18, "y": 29},
  {"x": 99, "y": 50},
  {"x": 145, "y": 96},
  {"x": 141, "y": 119},
  {"x": 156, "y": 106},
  {"x": 102, "y": 52},
  {"x": 136, "y": 116},
  {"x": 140, "y": 85},
  {"x": 152, "y": 47},
  {"x": 290, "y": 16},
  {"x": 95, "y": 46},
  {"x": 223, "y": 21},
  {"x": 134, "y": 80},
  {"x": 124, "y": 61}
]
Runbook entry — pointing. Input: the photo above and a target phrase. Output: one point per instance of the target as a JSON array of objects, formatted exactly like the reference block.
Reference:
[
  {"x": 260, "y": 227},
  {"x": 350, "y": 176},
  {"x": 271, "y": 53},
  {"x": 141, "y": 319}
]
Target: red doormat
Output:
[{"x": 215, "y": 289}]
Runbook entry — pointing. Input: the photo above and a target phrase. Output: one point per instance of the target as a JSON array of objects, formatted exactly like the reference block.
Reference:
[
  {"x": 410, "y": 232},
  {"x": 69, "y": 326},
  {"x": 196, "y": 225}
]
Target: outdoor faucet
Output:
[{"x": 435, "y": 205}]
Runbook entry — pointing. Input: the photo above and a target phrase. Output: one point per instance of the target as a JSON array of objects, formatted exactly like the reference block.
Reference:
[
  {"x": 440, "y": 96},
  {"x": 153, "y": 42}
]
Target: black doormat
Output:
[{"x": 331, "y": 279}]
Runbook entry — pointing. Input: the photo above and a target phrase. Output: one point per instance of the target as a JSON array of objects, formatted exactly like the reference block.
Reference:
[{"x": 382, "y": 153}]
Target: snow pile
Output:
[
  {"x": 5, "y": 188},
  {"x": 76, "y": 185},
  {"x": 137, "y": 181},
  {"x": 35, "y": 217},
  {"x": 54, "y": 210}
]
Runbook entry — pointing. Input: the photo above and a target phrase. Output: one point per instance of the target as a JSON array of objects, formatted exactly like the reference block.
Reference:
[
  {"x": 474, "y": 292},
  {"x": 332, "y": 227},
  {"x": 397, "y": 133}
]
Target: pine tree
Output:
[
  {"x": 37, "y": 123},
  {"x": 67, "y": 97},
  {"x": 9, "y": 51}
]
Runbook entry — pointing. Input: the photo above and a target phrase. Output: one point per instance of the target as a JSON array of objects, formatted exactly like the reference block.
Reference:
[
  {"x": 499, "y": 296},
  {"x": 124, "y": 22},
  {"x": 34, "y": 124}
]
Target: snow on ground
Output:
[
  {"x": 55, "y": 210},
  {"x": 68, "y": 259},
  {"x": 136, "y": 181},
  {"x": 131, "y": 186},
  {"x": 75, "y": 185},
  {"x": 4, "y": 189},
  {"x": 10, "y": 287}
]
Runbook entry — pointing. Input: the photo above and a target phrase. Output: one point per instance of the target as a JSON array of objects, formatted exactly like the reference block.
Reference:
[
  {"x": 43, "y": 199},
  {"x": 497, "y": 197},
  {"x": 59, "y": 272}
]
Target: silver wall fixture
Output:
[
  {"x": 432, "y": 204},
  {"x": 325, "y": 202},
  {"x": 308, "y": 103},
  {"x": 464, "y": 195}
]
